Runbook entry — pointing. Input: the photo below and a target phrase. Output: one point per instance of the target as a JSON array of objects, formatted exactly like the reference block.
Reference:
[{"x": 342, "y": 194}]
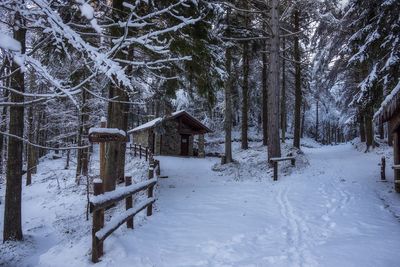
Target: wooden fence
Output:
[
  {"x": 102, "y": 201},
  {"x": 274, "y": 162},
  {"x": 141, "y": 151}
]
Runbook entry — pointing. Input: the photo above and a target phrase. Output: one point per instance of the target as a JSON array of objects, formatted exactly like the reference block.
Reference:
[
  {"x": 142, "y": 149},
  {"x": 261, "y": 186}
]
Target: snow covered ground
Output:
[{"x": 332, "y": 212}]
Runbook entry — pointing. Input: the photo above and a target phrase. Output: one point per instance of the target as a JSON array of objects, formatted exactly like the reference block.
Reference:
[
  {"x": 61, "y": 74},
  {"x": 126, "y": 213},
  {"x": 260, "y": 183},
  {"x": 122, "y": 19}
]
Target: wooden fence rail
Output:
[
  {"x": 274, "y": 162},
  {"x": 101, "y": 201},
  {"x": 142, "y": 151}
]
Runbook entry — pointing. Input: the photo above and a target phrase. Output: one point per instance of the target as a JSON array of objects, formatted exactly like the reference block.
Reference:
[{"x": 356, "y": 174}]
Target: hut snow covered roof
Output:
[
  {"x": 389, "y": 106},
  {"x": 185, "y": 116}
]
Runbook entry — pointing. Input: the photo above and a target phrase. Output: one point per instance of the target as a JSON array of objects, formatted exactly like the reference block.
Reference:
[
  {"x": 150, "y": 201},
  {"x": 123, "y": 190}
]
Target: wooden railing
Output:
[
  {"x": 141, "y": 151},
  {"x": 274, "y": 162},
  {"x": 101, "y": 201}
]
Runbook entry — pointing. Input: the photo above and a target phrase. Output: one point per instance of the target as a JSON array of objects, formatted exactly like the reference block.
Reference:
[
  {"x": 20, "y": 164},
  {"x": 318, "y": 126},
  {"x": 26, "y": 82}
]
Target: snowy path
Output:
[{"x": 325, "y": 215}]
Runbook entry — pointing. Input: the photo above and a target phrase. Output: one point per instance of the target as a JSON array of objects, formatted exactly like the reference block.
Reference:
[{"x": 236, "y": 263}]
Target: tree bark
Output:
[
  {"x": 369, "y": 129},
  {"x": 265, "y": 95},
  {"x": 303, "y": 119},
  {"x": 245, "y": 88},
  {"x": 3, "y": 129},
  {"x": 389, "y": 133},
  {"x": 283, "y": 98},
  {"x": 117, "y": 117},
  {"x": 31, "y": 162},
  {"x": 12, "y": 210},
  {"x": 274, "y": 146},
  {"x": 298, "y": 95},
  {"x": 362, "y": 128},
  {"x": 245, "y": 93},
  {"x": 228, "y": 100}
]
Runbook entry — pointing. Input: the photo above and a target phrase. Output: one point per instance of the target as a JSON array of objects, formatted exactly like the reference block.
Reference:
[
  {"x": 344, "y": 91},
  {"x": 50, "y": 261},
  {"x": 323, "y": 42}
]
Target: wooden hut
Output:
[
  {"x": 172, "y": 135},
  {"x": 390, "y": 113}
]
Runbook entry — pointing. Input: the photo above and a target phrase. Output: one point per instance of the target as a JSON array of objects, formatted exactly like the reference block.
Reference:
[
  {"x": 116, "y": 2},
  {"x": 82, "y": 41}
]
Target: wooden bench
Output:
[{"x": 274, "y": 162}]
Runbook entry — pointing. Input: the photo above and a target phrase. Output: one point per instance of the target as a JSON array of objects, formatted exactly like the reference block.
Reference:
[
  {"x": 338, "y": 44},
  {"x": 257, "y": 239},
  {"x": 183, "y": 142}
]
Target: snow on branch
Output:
[
  {"x": 88, "y": 12},
  {"x": 101, "y": 62},
  {"x": 14, "y": 47}
]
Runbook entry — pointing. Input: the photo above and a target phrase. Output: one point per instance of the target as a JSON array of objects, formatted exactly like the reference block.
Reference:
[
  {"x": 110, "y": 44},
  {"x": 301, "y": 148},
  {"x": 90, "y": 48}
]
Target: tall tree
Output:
[
  {"x": 264, "y": 84},
  {"x": 274, "y": 146},
  {"x": 298, "y": 93},
  {"x": 245, "y": 86},
  {"x": 228, "y": 96},
  {"x": 117, "y": 113},
  {"x": 12, "y": 210}
]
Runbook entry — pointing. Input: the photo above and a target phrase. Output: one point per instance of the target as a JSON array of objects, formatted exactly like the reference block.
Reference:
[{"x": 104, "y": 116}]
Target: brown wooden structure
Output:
[
  {"x": 172, "y": 135},
  {"x": 390, "y": 113},
  {"x": 101, "y": 200},
  {"x": 274, "y": 162}
]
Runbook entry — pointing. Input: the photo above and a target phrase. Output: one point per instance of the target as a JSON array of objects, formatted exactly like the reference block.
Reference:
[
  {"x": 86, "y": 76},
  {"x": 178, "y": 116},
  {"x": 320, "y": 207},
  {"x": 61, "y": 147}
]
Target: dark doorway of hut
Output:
[{"x": 184, "y": 145}]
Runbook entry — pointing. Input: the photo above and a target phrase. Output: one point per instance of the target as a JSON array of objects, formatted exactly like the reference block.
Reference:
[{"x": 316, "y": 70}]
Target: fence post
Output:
[
  {"x": 293, "y": 161},
  {"x": 158, "y": 171},
  {"x": 134, "y": 154},
  {"x": 98, "y": 223},
  {"x": 275, "y": 163},
  {"x": 128, "y": 202},
  {"x": 150, "y": 191},
  {"x": 383, "y": 168},
  {"x": 140, "y": 151},
  {"x": 147, "y": 153}
]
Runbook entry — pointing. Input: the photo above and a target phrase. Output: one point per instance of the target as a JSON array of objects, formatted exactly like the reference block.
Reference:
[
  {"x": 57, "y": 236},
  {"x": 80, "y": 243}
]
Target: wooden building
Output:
[
  {"x": 172, "y": 135},
  {"x": 390, "y": 113}
]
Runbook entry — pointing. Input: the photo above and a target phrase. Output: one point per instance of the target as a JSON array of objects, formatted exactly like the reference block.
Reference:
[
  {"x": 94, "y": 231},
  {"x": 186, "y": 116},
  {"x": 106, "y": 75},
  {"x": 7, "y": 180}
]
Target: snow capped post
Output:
[
  {"x": 103, "y": 135},
  {"x": 98, "y": 223}
]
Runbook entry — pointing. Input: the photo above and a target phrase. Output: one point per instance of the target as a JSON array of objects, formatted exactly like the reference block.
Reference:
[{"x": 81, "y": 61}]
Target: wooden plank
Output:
[
  {"x": 111, "y": 197},
  {"x": 114, "y": 224},
  {"x": 100, "y": 135},
  {"x": 98, "y": 223},
  {"x": 281, "y": 159},
  {"x": 150, "y": 191},
  {"x": 129, "y": 202}
]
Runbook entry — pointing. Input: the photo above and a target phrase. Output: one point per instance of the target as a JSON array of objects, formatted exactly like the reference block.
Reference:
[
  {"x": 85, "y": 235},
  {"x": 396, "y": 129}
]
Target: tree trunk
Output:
[
  {"x": 117, "y": 117},
  {"x": 245, "y": 93},
  {"x": 3, "y": 129},
  {"x": 362, "y": 128},
  {"x": 274, "y": 146},
  {"x": 369, "y": 129},
  {"x": 245, "y": 88},
  {"x": 265, "y": 95},
  {"x": 12, "y": 210},
  {"x": 303, "y": 119},
  {"x": 283, "y": 98},
  {"x": 228, "y": 101},
  {"x": 298, "y": 95},
  {"x": 389, "y": 133},
  {"x": 381, "y": 131},
  {"x": 31, "y": 162}
]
